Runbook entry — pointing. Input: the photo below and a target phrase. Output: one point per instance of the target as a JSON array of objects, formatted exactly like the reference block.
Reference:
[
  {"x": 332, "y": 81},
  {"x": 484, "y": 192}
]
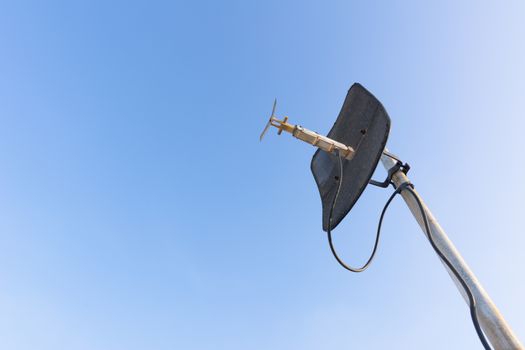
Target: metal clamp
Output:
[{"x": 404, "y": 167}]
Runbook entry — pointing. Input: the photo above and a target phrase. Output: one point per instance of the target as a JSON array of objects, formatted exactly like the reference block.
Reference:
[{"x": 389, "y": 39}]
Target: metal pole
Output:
[{"x": 498, "y": 332}]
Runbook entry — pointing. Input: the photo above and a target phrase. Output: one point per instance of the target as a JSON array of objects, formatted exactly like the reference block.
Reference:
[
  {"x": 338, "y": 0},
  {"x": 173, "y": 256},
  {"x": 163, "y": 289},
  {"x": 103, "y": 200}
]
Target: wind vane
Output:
[{"x": 343, "y": 166}]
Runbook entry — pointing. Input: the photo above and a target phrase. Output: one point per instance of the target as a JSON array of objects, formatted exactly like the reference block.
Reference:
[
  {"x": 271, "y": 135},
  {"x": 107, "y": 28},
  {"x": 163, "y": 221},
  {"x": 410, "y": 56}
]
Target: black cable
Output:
[
  {"x": 378, "y": 234},
  {"x": 407, "y": 186}
]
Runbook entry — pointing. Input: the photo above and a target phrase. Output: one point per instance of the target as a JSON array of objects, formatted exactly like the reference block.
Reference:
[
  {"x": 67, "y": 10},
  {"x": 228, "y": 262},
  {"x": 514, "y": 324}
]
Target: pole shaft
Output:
[{"x": 496, "y": 329}]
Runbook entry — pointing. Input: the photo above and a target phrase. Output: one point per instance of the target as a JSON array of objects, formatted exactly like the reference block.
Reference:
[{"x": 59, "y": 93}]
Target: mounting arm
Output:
[{"x": 308, "y": 136}]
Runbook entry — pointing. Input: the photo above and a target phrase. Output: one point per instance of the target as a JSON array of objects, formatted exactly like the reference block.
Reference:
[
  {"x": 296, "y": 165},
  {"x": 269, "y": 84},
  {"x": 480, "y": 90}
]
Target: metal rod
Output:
[{"x": 496, "y": 329}]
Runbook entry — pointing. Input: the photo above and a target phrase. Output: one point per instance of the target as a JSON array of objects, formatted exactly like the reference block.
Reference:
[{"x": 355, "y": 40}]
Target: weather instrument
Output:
[{"x": 342, "y": 167}]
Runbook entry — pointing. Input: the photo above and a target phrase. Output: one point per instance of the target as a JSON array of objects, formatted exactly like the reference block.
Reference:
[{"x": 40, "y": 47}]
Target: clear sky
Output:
[{"x": 138, "y": 209}]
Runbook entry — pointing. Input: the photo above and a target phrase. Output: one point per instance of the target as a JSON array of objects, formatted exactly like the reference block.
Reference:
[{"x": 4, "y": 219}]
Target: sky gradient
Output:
[{"x": 138, "y": 209}]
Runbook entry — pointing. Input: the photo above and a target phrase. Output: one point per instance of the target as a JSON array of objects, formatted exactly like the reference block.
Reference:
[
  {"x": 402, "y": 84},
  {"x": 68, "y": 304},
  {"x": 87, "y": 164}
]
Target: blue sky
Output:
[{"x": 139, "y": 210}]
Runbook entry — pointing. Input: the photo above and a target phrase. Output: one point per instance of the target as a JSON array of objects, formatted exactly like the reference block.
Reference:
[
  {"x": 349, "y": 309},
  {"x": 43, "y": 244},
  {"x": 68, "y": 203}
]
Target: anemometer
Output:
[{"x": 342, "y": 167}]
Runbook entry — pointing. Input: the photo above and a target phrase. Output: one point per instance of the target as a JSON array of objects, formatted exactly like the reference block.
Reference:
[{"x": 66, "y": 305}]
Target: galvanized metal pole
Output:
[{"x": 498, "y": 332}]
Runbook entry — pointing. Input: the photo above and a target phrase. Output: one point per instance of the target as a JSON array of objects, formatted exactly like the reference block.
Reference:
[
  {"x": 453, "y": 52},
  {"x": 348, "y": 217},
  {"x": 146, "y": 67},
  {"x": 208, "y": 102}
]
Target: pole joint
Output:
[{"x": 398, "y": 166}]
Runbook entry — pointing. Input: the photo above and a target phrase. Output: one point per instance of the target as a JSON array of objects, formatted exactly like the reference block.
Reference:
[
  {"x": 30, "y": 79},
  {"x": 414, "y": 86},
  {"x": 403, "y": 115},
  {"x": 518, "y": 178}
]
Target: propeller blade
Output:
[{"x": 269, "y": 121}]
